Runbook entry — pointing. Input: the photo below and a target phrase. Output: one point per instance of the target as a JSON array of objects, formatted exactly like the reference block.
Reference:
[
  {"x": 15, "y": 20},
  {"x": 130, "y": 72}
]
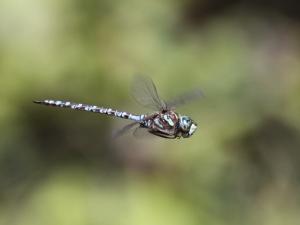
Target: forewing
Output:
[
  {"x": 145, "y": 93},
  {"x": 185, "y": 98}
]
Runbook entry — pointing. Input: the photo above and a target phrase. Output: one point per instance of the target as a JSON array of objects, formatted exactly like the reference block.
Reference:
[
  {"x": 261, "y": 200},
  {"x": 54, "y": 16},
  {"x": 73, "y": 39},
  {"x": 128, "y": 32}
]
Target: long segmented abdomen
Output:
[{"x": 92, "y": 108}]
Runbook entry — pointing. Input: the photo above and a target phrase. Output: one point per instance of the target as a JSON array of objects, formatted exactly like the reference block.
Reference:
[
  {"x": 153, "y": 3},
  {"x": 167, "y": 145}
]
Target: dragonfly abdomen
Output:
[{"x": 92, "y": 108}]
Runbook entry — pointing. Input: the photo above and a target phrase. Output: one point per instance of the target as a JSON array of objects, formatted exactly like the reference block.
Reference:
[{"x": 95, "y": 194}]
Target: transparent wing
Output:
[
  {"x": 141, "y": 132},
  {"x": 185, "y": 98},
  {"x": 145, "y": 93},
  {"x": 123, "y": 130}
]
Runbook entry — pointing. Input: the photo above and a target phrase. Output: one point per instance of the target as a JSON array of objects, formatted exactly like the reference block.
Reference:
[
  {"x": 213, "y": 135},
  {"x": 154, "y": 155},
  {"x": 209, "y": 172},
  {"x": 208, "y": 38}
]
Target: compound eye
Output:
[{"x": 187, "y": 121}]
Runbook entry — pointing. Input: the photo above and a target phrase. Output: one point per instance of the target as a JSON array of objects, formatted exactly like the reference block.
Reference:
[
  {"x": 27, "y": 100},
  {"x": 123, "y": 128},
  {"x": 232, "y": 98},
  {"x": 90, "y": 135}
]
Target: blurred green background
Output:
[{"x": 61, "y": 167}]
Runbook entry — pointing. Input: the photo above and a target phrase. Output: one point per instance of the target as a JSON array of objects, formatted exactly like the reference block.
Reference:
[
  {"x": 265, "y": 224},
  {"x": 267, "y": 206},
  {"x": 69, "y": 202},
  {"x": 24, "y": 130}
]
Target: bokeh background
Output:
[{"x": 61, "y": 167}]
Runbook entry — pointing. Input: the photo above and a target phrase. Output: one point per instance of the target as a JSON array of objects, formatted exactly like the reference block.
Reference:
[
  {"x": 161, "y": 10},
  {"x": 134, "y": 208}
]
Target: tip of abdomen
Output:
[{"x": 37, "y": 102}]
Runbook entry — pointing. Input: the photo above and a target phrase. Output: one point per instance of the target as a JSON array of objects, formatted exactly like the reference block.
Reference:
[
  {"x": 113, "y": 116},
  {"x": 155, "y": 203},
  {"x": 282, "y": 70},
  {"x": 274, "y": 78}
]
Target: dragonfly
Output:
[{"x": 164, "y": 121}]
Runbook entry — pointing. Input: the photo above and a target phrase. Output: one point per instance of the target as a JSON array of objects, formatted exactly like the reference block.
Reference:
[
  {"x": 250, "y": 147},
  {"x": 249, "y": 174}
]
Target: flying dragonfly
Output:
[{"x": 163, "y": 121}]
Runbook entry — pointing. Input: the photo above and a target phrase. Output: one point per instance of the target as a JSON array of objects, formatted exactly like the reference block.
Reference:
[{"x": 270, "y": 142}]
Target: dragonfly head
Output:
[{"x": 187, "y": 126}]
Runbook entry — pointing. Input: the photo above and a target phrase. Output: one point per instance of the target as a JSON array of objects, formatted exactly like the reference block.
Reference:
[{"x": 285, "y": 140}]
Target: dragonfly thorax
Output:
[{"x": 164, "y": 123}]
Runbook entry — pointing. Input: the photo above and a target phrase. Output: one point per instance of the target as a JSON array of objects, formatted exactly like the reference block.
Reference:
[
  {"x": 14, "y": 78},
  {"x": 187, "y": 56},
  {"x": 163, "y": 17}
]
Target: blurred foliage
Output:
[{"x": 62, "y": 167}]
